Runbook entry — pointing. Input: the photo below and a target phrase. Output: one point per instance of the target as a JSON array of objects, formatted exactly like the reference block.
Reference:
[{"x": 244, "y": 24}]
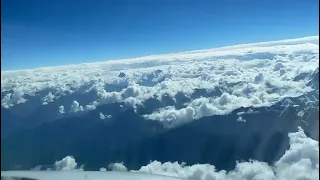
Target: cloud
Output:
[
  {"x": 250, "y": 111},
  {"x": 259, "y": 78},
  {"x": 37, "y": 168},
  {"x": 102, "y": 169},
  {"x": 48, "y": 98},
  {"x": 132, "y": 102},
  {"x": 241, "y": 119},
  {"x": 66, "y": 164},
  {"x": 10, "y": 99},
  {"x": 301, "y": 147},
  {"x": 61, "y": 109},
  {"x": 235, "y": 96},
  {"x": 300, "y": 161},
  {"x": 91, "y": 106},
  {"x": 278, "y": 66},
  {"x": 105, "y": 116},
  {"x": 247, "y": 75},
  {"x": 117, "y": 167},
  {"x": 75, "y": 107}
]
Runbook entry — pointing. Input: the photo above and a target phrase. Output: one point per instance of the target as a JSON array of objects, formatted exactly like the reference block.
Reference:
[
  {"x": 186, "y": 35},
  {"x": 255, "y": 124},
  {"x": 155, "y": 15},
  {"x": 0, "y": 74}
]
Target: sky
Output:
[{"x": 37, "y": 33}]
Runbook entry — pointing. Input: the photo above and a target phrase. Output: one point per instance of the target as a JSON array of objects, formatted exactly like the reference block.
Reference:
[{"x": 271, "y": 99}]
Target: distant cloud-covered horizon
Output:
[{"x": 51, "y": 33}]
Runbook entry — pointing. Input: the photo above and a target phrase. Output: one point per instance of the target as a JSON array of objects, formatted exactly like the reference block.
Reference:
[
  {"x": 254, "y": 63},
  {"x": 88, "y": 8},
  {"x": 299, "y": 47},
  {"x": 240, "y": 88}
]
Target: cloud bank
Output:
[
  {"x": 300, "y": 161},
  {"x": 251, "y": 75}
]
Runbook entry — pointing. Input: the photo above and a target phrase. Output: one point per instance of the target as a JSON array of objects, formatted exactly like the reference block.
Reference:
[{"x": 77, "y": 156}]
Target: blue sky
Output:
[{"x": 37, "y": 33}]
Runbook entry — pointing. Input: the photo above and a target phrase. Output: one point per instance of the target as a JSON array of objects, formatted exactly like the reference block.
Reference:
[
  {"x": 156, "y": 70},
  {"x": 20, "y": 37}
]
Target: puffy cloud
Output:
[
  {"x": 253, "y": 74},
  {"x": 131, "y": 91},
  {"x": 300, "y": 161},
  {"x": 92, "y": 106},
  {"x": 10, "y": 99},
  {"x": 259, "y": 78},
  {"x": 236, "y": 96},
  {"x": 102, "y": 169},
  {"x": 301, "y": 147},
  {"x": 172, "y": 116},
  {"x": 117, "y": 167},
  {"x": 66, "y": 164},
  {"x": 48, "y": 98},
  {"x": 245, "y": 170},
  {"x": 61, "y": 109},
  {"x": 132, "y": 102},
  {"x": 240, "y": 119},
  {"x": 278, "y": 66},
  {"x": 75, "y": 107},
  {"x": 106, "y": 116},
  {"x": 108, "y": 97}
]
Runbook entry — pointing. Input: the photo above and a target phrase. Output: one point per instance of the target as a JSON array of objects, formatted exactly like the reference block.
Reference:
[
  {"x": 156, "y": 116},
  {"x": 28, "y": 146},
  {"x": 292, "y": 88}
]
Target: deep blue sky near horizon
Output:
[{"x": 37, "y": 33}]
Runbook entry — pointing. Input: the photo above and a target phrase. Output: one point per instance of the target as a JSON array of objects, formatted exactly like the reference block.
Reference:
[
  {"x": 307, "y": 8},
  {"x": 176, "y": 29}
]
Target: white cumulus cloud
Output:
[
  {"x": 254, "y": 75},
  {"x": 66, "y": 164},
  {"x": 76, "y": 107},
  {"x": 105, "y": 116},
  {"x": 117, "y": 167},
  {"x": 61, "y": 109},
  {"x": 300, "y": 161},
  {"x": 102, "y": 169}
]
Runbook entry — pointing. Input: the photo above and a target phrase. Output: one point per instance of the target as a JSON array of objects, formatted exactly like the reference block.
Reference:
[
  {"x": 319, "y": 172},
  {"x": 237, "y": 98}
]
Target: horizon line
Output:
[{"x": 305, "y": 39}]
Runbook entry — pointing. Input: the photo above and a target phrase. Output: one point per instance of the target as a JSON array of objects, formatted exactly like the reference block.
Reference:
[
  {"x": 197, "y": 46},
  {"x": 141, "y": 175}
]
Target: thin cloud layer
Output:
[{"x": 251, "y": 75}]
